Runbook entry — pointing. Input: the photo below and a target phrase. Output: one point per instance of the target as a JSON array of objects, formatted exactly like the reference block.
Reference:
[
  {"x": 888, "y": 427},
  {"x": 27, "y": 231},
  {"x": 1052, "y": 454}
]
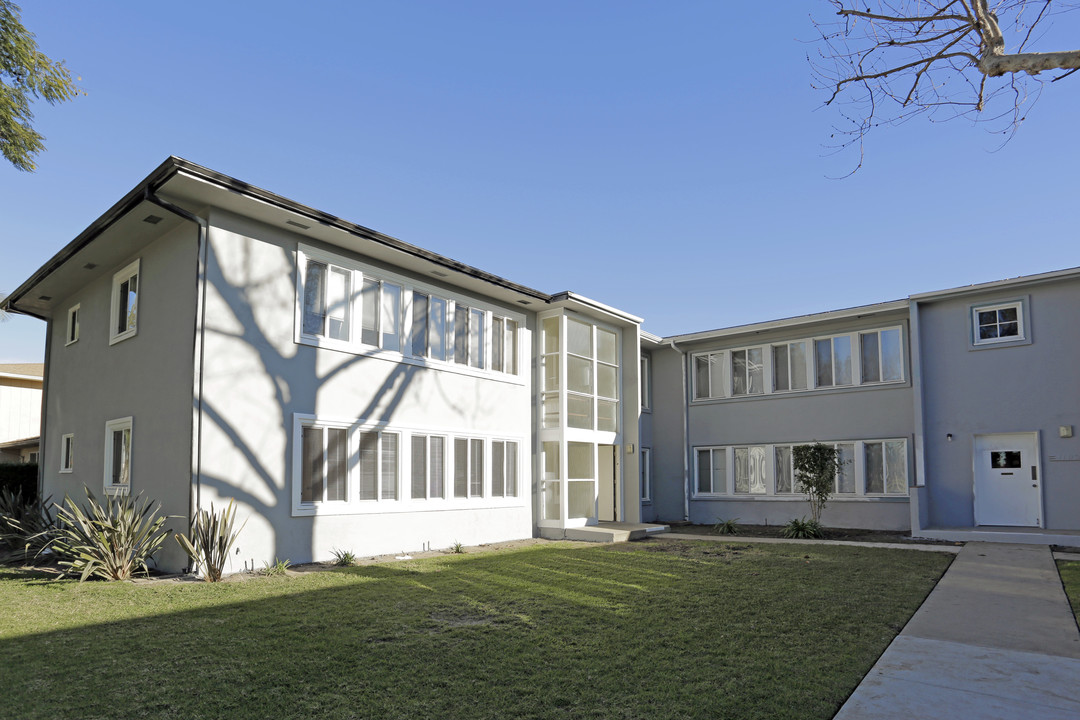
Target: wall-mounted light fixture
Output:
[{"x": 948, "y": 437}]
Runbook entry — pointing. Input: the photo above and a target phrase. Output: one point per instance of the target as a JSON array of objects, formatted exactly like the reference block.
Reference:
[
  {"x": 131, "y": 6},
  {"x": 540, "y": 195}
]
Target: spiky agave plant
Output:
[
  {"x": 26, "y": 527},
  {"x": 212, "y": 537},
  {"x": 111, "y": 540}
]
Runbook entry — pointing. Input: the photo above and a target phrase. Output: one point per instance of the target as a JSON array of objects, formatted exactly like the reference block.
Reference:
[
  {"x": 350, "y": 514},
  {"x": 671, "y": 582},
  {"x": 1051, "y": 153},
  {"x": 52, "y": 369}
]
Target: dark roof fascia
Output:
[
  {"x": 333, "y": 221},
  {"x": 174, "y": 165},
  {"x": 163, "y": 172}
]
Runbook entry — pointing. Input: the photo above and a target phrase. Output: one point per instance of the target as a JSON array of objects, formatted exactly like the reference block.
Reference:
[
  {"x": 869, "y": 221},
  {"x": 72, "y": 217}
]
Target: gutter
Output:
[
  {"x": 686, "y": 435},
  {"x": 198, "y": 349}
]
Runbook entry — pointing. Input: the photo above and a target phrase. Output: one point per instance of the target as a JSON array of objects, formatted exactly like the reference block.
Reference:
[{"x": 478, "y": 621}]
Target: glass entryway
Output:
[{"x": 579, "y": 419}]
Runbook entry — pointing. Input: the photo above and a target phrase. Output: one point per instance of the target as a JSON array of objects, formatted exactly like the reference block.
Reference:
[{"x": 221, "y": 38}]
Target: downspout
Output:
[
  {"x": 685, "y": 434},
  {"x": 198, "y": 349}
]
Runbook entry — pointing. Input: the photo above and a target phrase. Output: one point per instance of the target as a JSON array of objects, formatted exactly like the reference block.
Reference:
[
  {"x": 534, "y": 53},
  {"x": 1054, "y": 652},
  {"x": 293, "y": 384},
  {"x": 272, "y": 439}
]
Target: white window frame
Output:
[
  {"x": 119, "y": 277},
  {"x": 380, "y": 466},
  {"x": 863, "y": 479},
  {"x": 298, "y": 449},
  {"x": 324, "y": 337},
  {"x": 725, "y": 480},
  {"x": 807, "y": 367},
  {"x": 1021, "y": 323},
  {"x": 714, "y": 393},
  {"x": 746, "y": 377},
  {"x": 853, "y": 360},
  {"x": 478, "y": 365},
  {"x": 112, "y": 426},
  {"x": 645, "y": 382},
  {"x": 646, "y": 475},
  {"x": 507, "y": 467},
  {"x": 429, "y": 470},
  {"x": 471, "y": 458},
  {"x": 881, "y": 355},
  {"x": 67, "y": 453},
  {"x": 73, "y": 324}
]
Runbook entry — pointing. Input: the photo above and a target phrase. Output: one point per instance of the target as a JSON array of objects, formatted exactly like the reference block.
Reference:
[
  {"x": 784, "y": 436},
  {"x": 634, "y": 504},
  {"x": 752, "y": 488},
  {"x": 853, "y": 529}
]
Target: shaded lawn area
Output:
[
  {"x": 1070, "y": 578},
  {"x": 641, "y": 630}
]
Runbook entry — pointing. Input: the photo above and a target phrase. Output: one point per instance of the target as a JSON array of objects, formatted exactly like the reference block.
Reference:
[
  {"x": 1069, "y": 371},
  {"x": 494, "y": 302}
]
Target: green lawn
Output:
[
  {"x": 1070, "y": 578},
  {"x": 657, "y": 629}
]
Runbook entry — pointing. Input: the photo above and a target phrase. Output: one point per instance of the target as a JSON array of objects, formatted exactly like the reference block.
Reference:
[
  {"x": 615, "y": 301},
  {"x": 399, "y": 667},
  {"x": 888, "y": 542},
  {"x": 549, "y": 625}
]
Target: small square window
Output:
[
  {"x": 73, "y": 325},
  {"x": 999, "y": 323}
]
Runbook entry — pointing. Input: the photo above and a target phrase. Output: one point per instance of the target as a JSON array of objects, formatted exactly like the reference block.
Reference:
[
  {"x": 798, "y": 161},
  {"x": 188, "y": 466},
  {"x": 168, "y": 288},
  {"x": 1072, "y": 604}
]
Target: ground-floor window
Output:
[
  {"x": 343, "y": 467},
  {"x": 868, "y": 468},
  {"x": 118, "y": 438}
]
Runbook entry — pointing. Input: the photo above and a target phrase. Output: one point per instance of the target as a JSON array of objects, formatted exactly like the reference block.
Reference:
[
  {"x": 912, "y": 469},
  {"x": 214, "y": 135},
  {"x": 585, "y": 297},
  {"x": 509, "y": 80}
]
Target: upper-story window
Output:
[
  {"x": 832, "y": 361},
  {"x": 1002, "y": 322},
  {"x": 747, "y": 372},
  {"x": 347, "y": 306},
  {"x": 646, "y": 383},
  {"x": 882, "y": 358},
  {"x": 72, "y": 325},
  {"x": 124, "y": 312},
  {"x": 708, "y": 375},
  {"x": 789, "y": 366}
]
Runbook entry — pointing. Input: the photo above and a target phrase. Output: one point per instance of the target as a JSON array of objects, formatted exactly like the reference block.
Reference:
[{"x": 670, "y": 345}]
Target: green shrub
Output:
[
  {"x": 212, "y": 537},
  {"x": 279, "y": 567},
  {"x": 726, "y": 527},
  {"x": 802, "y": 529},
  {"x": 111, "y": 540},
  {"x": 457, "y": 548},
  {"x": 816, "y": 467},
  {"x": 26, "y": 527},
  {"x": 344, "y": 558},
  {"x": 21, "y": 478}
]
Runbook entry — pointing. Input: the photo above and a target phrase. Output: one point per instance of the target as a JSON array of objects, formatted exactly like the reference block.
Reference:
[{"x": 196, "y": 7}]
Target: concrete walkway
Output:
[{"x": 995, "y": 639}]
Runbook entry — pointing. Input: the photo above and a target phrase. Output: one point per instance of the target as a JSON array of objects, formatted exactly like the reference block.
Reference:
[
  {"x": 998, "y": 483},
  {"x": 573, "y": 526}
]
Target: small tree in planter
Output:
[{"x": 816, "y": 467}]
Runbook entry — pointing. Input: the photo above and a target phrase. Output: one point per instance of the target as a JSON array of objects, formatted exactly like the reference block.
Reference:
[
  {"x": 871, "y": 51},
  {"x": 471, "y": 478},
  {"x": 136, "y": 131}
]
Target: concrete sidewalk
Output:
[{"x": 995, "y": 639}]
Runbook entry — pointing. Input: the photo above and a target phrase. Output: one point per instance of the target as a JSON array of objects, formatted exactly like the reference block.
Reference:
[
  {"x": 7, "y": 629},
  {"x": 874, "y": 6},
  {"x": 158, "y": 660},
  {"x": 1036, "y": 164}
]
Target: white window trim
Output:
[
  {"x": 769, "y": 384},
  {"x": 646, "y": 475},
  {"x": 490, "y": 452},
  {"x": 360, "y": 271},
  {"x": 132, "y": 269},
  {"x": 771, "y": 495},
  {"x": 110, "y": 427},
  {"x": 645, "y": 382},
  {"x": 72, "y": 324},
  {"x": 67, "y": 453},
  {"x": 404, "y": 502},
  {"x": 1021, "y": 323},
  {"x": 766, "y": 367}
]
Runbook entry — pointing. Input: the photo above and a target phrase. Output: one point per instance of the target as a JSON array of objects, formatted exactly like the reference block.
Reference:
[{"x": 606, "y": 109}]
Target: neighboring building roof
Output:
[
  {"x": 21, "y": 444},
  {"x": 30, "y": 370}
]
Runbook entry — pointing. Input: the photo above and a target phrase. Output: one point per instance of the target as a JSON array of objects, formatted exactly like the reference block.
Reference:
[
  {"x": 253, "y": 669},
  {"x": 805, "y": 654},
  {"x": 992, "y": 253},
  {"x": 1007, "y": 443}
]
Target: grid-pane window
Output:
[{"x": 998, "y": 323}]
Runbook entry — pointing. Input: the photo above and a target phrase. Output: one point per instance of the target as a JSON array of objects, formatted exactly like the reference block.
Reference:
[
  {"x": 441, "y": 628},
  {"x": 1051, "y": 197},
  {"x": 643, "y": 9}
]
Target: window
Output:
[
  {"x": 645, "y": 385},
  {"x": 72, "y": 325},
  {"x": 468, "y": 336},
  {"x": 646, "y": 474},
  {"x": 327, "y": 308},
  {"x": 504, "y": 345},
  {"x": 67, "y": 453},
  {"x": 785, "y": 472},
  {"x": 550, "y": 362},
  {"x": 999, "y": 323},
  {"x": 747, "y": 372},
  {"x": 468, "y": 467},
  {"x": 378, "y": 465},
  {"x": 125, "y": 303},
  {"x": 504, "y": 466},
  {"x": 886, "y": 467},
  {"x": 32, "y": 458},
  {"x": 708, "y": 375},
  {"x": 832, "y": 360},
  {"x": 324, "y": 473},
  {"x": 118, "y": 456},
  {"x": 419, "y": 324},
  {"x": 428, "y": 466},
  {"x": 789, "y": 366},
  {"x": 882, "y": 358},
  {"x": 380, "y": 319},
  {"x": 750, "y": 469},
  {"x": 711, "y": 471}
]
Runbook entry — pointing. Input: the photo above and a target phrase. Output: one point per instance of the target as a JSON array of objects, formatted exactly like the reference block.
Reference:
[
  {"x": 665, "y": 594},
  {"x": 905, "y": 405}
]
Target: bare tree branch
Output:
[{"x": 888, "y": 61}]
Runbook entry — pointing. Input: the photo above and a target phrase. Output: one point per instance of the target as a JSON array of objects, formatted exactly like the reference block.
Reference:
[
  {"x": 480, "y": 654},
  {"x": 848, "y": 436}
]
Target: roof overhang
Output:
[
  {"x": 21, "y": 444},
  {"x": 1008, "y": 284},
  {"x": 587, "y": 306}
]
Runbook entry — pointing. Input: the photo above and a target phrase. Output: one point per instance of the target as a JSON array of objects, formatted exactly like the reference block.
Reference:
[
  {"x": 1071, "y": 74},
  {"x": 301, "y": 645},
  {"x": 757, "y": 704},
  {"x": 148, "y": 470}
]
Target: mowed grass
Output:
[
  {"x": 1070, "y": 578},
  {"x": 657, "y": 629}
]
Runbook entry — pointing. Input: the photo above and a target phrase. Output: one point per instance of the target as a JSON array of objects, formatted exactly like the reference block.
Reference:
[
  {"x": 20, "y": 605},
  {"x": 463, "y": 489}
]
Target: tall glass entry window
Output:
[{"x": 581, "y": 383}]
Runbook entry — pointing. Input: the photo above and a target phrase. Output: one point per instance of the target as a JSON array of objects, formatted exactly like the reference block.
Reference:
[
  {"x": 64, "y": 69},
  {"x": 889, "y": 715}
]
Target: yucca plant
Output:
[
  {"x": 344, "y": 558},
  {"x": 726, "y": 527},
  {"x": 212, "y": 537},
  {"x": 26, "y": 527},
  {"x": 111, "y": 540},
  {"x": 279, "y": 567},
  {"x": 803, "y": 529}
]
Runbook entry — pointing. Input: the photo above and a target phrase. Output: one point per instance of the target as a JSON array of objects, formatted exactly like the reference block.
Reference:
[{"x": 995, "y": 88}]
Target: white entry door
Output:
[{"x": 1007, "y": 480}]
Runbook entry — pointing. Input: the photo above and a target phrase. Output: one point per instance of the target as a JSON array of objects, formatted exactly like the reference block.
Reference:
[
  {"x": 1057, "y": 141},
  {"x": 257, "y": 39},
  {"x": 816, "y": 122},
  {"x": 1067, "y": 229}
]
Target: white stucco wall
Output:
[
  {"x": 20, "y": 409},
  {"x": 257, "y": 379}
]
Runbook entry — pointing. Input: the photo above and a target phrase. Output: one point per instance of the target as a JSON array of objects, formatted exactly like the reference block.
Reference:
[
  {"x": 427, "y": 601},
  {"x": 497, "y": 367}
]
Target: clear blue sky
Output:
[{"x": 664, "y": 158}]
